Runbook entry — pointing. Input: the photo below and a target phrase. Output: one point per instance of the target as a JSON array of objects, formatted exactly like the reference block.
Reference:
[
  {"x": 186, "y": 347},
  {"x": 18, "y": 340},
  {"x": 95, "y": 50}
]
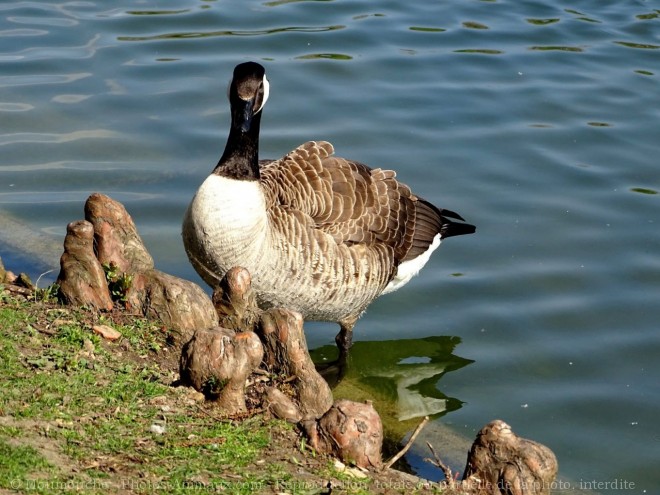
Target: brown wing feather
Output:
[{"x": 351, "y": 202}]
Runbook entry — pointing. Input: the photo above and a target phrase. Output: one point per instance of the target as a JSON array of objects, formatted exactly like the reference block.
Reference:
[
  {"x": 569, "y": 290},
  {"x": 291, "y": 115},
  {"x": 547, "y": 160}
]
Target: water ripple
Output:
[
  {"x": 7, "y": 81},
  {"x": 644, "y": 190},
  {"x": 474, "y": 25},
  {"x": 11, "y": 33},
  {"x": 482, "y": 51},
  {"x": 552, "y": 48},
  {"x": 68, "y": 99},
  {"x": 86, "y": 50},
  {"x": 212, "y": 34},
  {"x": 15, "y": 107},
  {"x": 543, "y": 22},
  {"x": 643, "y": 46},
  {"x": 536, "y": 121},
  {"x": 157, "y": 12},
  {"x": 44, "y": 21},
  {"x": 32, "y": 197},
  {"x": 277, "y": 3},
  {"x": 427, "y": 29},
  {"x": 331, "y": 56},
  {"x": 649, "y": 16},
  {"x": 57, "y": 165},
  {"x": 43, "y": 137}
]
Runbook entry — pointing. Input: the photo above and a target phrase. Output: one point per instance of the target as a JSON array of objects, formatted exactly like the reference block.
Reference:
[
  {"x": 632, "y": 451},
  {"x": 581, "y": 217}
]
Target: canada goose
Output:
[{"x": 319, "y": 234}]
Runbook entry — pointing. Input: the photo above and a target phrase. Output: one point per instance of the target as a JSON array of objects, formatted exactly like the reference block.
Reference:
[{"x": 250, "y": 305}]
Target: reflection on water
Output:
[{"x": 400, "y": 376}]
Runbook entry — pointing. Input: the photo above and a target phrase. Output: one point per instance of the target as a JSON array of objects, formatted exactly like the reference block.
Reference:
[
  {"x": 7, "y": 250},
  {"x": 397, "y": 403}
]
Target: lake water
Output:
[{"x": 538, "y": 121}]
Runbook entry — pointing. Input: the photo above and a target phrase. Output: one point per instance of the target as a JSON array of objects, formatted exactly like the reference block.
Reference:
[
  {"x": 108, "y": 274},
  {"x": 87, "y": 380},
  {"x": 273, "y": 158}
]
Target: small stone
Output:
[
  {"x": 192, "y": 396},
  {"x": 106, "y": 332},
  {"x": 282, "y": 406},
  {"x": 158, "y": 429},
  {"x": 353, "y": 472},
  {"x": 199, "y": 480},
  {"x": 60, "y": 322},
  {"x": 88, "y": 349},
  {"x": 356, "y": 472}
]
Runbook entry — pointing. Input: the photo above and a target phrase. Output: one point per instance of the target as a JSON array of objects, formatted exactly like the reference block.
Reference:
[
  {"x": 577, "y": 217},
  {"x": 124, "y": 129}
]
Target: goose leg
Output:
[
  {"x": 335, "y": 371},
  {"x": 344, "y": 338}
]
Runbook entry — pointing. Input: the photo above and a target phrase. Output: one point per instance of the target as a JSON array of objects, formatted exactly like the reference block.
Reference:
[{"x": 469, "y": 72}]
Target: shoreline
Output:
[
  {"x": 36, "y": 262},
  {"x": 26, "y": 241},
  {"x": 28, "y": 250}
]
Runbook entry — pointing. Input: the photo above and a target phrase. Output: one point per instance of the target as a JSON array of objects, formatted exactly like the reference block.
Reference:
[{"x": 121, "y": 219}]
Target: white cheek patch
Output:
[{"x": 266, "y": 86}]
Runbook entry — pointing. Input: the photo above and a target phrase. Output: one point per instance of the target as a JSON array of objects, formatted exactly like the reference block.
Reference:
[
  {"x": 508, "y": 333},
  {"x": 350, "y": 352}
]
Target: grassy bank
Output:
[{"x": 81, "y": 414}]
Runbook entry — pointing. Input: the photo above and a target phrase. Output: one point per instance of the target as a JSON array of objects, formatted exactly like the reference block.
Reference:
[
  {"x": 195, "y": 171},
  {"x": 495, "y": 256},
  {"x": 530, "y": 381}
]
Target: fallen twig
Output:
[
  {"x": 405, "y": 449},
  {"x": 436, "y": 461},
  {"x": 36, "y": 284}
]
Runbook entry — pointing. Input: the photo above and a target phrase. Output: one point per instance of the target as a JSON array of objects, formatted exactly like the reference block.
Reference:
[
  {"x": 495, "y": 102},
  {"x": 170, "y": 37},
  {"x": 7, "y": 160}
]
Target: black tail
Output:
[
  {"x": 450, "y": 228},
  {"x": 431, "y": 221}
]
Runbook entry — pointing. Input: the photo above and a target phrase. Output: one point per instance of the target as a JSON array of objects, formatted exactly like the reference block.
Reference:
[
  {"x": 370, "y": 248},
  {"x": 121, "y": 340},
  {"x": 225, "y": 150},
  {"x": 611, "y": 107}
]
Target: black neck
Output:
[{"x": 240, "y": 159}]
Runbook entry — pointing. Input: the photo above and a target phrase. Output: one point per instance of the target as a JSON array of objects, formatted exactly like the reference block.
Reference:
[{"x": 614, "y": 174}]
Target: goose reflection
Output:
[{"x": 400, "y": 376}]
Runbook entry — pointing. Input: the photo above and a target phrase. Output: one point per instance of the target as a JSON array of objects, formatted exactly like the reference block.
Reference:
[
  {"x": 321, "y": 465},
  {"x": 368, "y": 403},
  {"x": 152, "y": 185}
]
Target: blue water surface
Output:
[{"x": 536, "y": 120}]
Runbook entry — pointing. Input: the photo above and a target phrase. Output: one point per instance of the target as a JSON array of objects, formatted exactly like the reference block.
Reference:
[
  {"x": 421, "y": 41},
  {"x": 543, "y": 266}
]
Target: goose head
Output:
[{"x": 248, "y": 92}]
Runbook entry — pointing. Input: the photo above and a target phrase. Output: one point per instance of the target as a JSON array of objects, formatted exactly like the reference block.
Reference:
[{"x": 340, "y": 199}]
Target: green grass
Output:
[
  {"x": 82, "y": 415},
  {"x": 95, "y": 403},
  {"x": 18, "y": 462}
]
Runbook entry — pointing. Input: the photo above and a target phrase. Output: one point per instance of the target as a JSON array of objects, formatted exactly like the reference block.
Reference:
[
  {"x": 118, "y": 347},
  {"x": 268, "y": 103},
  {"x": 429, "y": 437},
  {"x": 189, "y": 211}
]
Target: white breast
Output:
[{"x": 225, "y": 224}]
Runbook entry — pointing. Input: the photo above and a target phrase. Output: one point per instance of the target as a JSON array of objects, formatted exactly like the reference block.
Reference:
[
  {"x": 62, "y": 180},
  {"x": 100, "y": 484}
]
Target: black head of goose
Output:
[{"x": 319, "y": 234}]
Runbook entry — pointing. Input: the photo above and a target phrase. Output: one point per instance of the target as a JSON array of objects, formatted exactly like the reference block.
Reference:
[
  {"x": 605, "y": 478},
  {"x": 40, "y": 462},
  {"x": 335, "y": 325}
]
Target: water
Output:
[{"x": 537, "y": 121}]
